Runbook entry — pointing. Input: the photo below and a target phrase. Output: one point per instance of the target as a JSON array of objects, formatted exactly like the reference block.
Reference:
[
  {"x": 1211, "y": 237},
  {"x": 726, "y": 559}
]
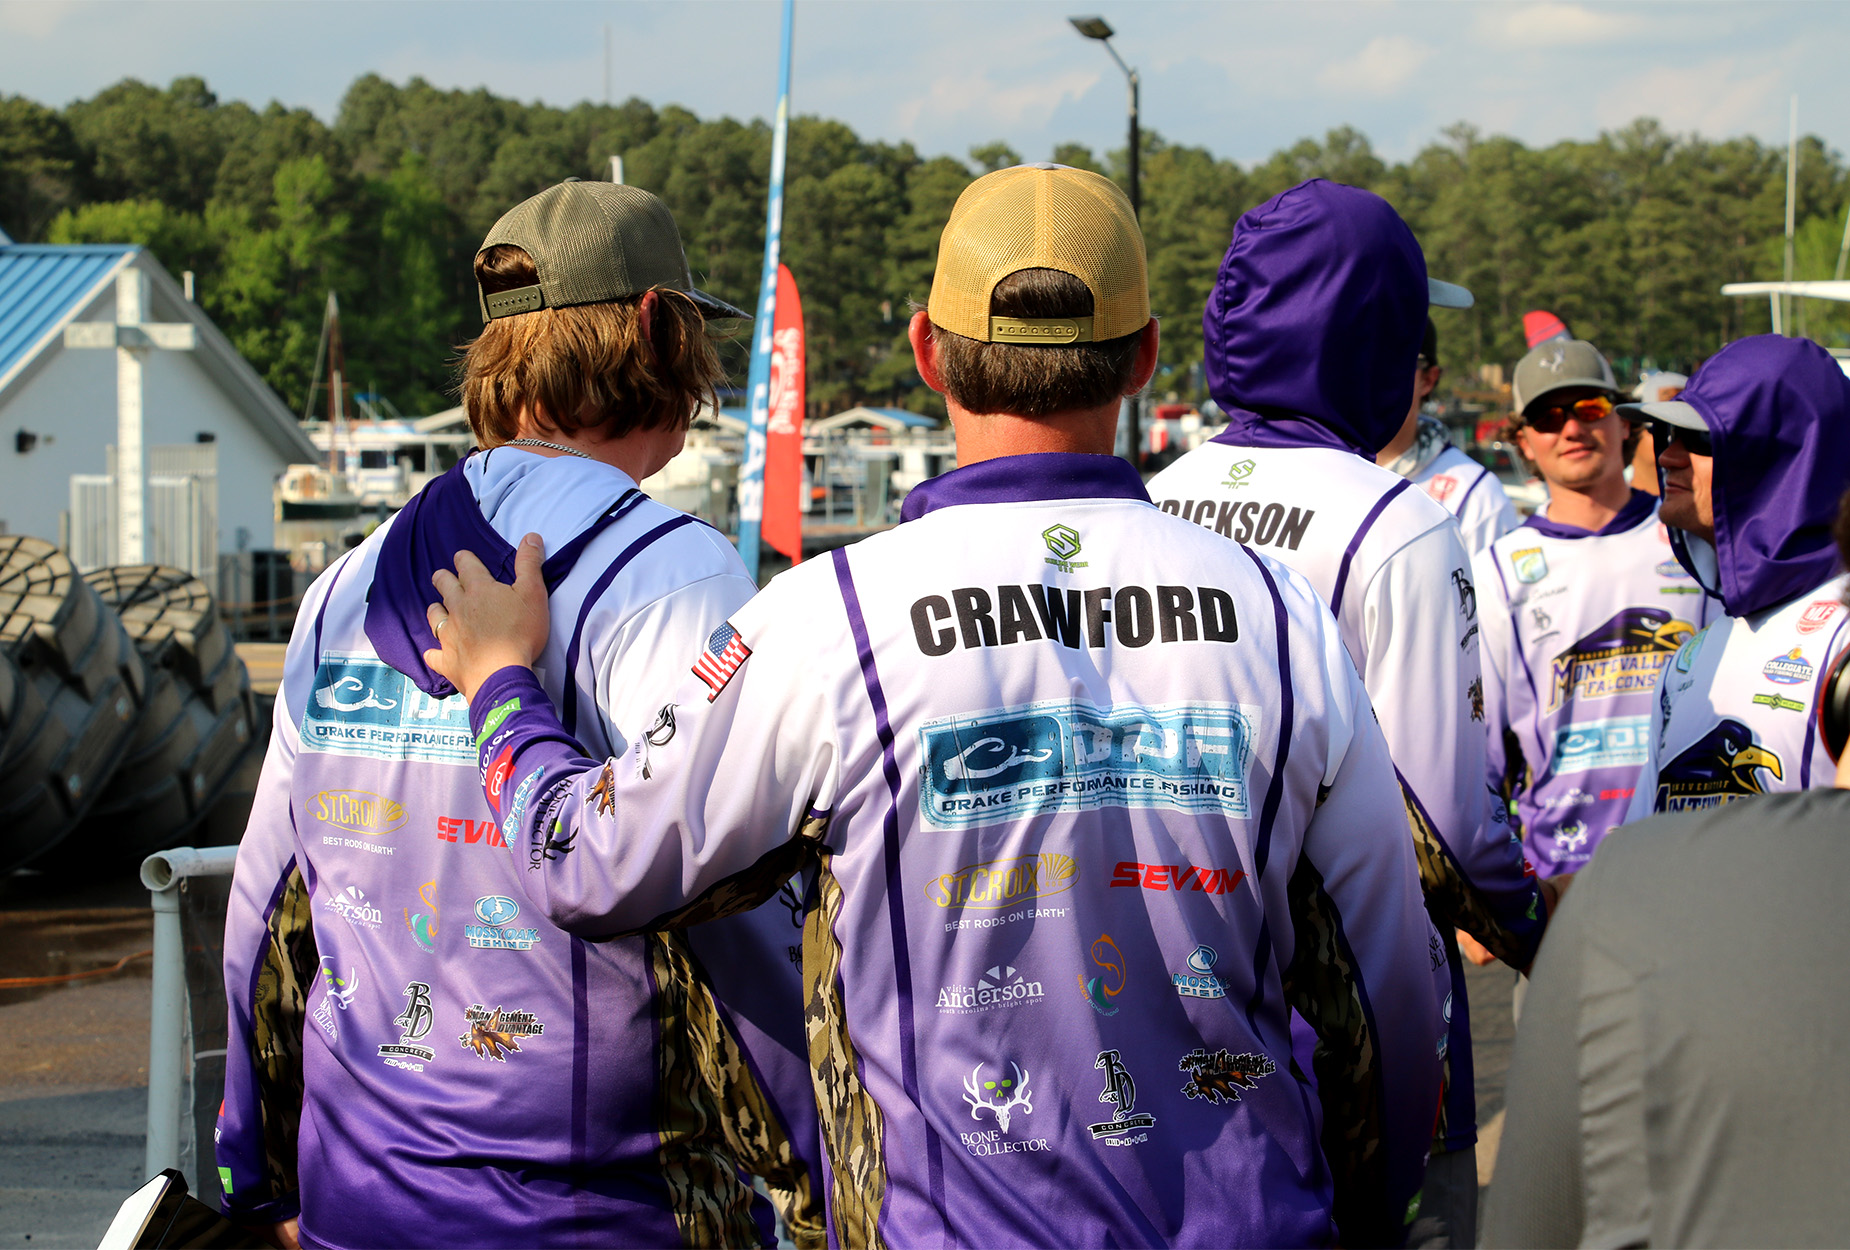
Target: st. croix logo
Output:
[
  {"x": 358, "y": 811},
  {"x": 1062, "y": 545}
]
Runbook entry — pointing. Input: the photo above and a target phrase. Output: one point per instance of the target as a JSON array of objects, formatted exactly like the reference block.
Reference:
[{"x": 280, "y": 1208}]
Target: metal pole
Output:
[
  {"x": 131, "y": 457},
  {"x": 168, "y": 1014},
  {"x": 1134, "y": 409},
  {"x": 1792, "y": 190}
]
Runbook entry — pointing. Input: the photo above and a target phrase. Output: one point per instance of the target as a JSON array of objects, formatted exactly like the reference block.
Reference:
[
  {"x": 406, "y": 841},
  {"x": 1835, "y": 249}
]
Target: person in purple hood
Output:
[
  {"x": 1752, "y": 458},
  {"x": 1312, "y": 331},
  {"x": 417, "y": 1057}
]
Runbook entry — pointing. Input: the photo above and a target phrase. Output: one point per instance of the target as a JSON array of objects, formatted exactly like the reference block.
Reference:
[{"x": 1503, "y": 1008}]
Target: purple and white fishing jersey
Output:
[
  {"x": 1096, "y": 799},
  {"x": 1736, "y": 710},
  {"x": 1459, "y": 484},
  {"x": 1577, "y": 626},
  {"x": 1471, "y": 493},
  {"x": 1736, "y": 707},
  {"x": 1310, "y": 334},
  {"x": 413, "y": 1043}
]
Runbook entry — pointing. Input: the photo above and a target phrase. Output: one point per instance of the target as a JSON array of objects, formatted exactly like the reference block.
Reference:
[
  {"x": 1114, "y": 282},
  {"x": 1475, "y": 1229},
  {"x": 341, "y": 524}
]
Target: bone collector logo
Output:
[
  {"x": 1003, "y": 1098},
  {"x": 413, "y": 1024}
]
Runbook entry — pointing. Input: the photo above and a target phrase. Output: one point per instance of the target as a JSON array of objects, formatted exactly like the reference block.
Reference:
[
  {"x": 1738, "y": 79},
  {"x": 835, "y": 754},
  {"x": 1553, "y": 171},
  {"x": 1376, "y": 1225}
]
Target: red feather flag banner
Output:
[{"x": 783, "y": 467}]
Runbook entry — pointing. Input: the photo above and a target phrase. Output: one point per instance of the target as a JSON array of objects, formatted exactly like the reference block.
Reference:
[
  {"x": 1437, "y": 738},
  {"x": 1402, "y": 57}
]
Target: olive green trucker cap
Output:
[
  {"x": 1041, "y": 217},
  {"x": 593, "y": 242}
]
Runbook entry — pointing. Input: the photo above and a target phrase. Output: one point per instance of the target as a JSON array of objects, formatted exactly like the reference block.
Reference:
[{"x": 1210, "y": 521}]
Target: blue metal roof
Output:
[
  {"x": 39, "y": 286},
  {"x": 905, "y": 416}
]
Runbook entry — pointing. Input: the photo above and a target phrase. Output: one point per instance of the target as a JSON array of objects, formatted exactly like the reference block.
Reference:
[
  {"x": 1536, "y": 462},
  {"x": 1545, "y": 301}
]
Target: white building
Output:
[{"x": 207, "y": 414}]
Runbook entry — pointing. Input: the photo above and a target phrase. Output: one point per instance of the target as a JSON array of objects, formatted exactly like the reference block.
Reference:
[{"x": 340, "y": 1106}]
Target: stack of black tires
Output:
[{"x": 124, "y": 710}]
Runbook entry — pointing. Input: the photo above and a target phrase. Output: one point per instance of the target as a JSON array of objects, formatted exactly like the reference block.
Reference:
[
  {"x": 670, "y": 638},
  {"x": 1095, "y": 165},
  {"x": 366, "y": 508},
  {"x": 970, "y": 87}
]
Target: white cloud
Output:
[
  {"x": 972, "y": 96},
  {"x": 33, "y": 18},
  {"x": 1384, "y": 66},
  {"x": 1558, "y": 25}
]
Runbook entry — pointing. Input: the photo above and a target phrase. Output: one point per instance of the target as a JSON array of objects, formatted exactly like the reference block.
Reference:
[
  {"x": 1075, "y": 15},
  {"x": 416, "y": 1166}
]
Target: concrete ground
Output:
[{"x": 1493, "y": 1033}]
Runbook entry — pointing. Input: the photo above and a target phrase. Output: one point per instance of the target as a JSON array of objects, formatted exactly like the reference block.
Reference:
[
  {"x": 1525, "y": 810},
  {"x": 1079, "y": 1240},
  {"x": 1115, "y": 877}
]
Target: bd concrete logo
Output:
[
  {"x": 1068, "y": 756},
  {"x": 358, "y": 811}
]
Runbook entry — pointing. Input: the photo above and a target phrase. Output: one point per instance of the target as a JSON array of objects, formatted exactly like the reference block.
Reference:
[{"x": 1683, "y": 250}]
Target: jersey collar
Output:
[
  {"x": 1636, "y": 509},
  {"x": 1027, "y": 479}
]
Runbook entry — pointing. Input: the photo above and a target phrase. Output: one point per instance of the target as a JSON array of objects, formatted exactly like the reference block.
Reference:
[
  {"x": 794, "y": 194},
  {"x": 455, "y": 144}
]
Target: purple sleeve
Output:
[{"x": 268, "y": 935}]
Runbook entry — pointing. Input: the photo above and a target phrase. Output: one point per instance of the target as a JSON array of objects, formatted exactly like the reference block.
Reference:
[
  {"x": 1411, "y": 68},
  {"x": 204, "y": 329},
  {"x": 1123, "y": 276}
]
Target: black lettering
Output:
[
  {"x": 1292, "y": 533},
  {"x": 1098, "y": 611},
  {"x": 1268, "y": 522},
  {"x": 1204, "y": 512},
  {"x": 1224, "y": 526},
  {"x": 1172, "y": 507},
  {"x": 973, "y": 616},
  {"x": 1059, "y": 612},
  {"x": 926, "y": 614},
  {"x": 1218, "y": 623},
  {"x": 1247, "y": 512},
  {"x": 1136, "y": 617},
  {"x": 1017, "y": 616},
  {"x": 1176, "y": 606}
]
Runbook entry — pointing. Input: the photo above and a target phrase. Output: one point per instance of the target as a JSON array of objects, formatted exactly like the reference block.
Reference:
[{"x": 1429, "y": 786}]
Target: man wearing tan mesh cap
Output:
[{"x": 1095, "y": 800}]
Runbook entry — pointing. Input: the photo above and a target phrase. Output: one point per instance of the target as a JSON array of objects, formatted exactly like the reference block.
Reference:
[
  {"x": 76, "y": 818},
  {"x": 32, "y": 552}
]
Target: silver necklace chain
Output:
[{"x": 540, "y": 442}]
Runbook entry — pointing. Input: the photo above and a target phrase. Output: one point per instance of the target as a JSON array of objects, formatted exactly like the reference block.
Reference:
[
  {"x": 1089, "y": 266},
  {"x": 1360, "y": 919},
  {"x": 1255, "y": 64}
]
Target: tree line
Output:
[{"x": 1628, "y": 237}]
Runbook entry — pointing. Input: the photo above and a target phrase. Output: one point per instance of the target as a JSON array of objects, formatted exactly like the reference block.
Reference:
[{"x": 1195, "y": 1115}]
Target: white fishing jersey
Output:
[
  {"x": 1391, "y": 565},
  {"x": 1094, "y": 798},
  {"x": 1736, "y": 707},
  {"x": 1577, "y": 626},
  {"x": 1471, "y": 493}
]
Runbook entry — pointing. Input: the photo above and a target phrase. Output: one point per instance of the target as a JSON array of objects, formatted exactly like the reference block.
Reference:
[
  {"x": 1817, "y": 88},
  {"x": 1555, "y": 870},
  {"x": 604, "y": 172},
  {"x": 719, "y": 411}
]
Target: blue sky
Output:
[{"x": 1241, "y": 79}]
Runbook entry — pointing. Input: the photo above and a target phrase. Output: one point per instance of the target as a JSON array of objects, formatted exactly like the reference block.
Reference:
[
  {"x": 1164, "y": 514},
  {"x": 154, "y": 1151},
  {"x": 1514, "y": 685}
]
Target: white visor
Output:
[
  {"x": 1447, "y": 294},
  {"x": 1669, "y": 411}
]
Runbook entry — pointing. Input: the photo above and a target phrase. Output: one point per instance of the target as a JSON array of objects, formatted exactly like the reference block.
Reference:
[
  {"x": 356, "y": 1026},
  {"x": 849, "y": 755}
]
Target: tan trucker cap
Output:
[
  {"x": 592, "y": 242},
  {"x": 1041, "y": 217}
]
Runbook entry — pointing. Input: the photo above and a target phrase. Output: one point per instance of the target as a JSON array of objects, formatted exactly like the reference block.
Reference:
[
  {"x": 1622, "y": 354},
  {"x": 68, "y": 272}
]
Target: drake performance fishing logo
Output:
[
  {"x": 1623, "y": 656},
  {"x": 1723, "y": 765},
  {"x": 363, "y": 706},
  {"x": 1068, "y": 756}
]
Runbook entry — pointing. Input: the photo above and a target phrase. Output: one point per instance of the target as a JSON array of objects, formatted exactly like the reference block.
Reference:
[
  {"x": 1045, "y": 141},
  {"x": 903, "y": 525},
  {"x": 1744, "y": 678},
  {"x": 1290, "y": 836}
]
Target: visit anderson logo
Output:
[{"x": 999, "y": 987}]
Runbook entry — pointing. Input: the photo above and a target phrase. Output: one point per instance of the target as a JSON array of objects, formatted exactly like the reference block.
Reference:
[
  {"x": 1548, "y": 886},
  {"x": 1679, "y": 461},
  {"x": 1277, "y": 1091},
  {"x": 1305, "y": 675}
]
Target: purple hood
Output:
[
  {"x": 1314, "y": 324},
  {"x": 1778, "y": 410},
  {"x": 425, "y": 536}
]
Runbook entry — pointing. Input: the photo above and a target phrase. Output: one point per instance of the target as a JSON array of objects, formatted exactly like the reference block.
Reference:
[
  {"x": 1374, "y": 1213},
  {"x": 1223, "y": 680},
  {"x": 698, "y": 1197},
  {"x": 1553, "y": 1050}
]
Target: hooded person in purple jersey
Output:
[
  {"x": 416, "y": 1056},
  {"x": 1752, "y": 457},
  {"x": 1312, "y": 335}
]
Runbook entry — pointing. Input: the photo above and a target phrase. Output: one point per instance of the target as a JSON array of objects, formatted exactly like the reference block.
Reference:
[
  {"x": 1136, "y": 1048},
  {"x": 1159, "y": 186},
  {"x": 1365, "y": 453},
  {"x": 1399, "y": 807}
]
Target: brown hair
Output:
[
  {"x": 585, "y": 366},
  {"x": 1033, "y": 381},
  {"x": 1841, "y": 532}
]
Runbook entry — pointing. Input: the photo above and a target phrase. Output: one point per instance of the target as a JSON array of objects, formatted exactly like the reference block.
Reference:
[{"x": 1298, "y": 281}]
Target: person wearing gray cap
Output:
[
  {"x": 1582, "y": 606},
  {"x": 470, "y": 1073}
]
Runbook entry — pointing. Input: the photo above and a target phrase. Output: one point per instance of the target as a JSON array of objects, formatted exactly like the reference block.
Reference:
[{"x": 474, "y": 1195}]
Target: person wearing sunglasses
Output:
[
  {"x": 1752, "y": 457},
  {"x": 1581, "y": 606},
  {"x": 1673, "y": 1083}
]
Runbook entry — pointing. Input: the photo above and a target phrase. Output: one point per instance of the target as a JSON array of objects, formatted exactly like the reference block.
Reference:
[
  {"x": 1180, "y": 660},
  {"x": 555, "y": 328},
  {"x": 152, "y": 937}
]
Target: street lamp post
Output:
[{"x": 1098, "y": 28}]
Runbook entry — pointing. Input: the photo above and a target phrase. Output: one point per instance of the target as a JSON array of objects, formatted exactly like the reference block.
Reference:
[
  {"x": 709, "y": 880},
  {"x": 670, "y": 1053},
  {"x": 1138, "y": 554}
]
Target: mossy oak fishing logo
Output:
[
  {"x": 1062, "y": 545},
  {"x": 1218, "y": 1077},
  {"x": 1067, "y": 756},
  {"x": 1199, "y": 981},
  {"x": 1622, "y": 656},
  {"x": 1238, "y": 474},
  {"x": 413, "y": 1026},
  {"x": 497, "y": 1034},
  {"x": 1723, "y": 765},
  {"x": 1120, "y": 1091}
]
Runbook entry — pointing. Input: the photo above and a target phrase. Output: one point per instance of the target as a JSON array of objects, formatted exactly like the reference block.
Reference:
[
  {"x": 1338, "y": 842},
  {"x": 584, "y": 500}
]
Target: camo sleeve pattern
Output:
[
  {"x": 704, "y": 1108},
  {"x": 1456, "y": 901}
]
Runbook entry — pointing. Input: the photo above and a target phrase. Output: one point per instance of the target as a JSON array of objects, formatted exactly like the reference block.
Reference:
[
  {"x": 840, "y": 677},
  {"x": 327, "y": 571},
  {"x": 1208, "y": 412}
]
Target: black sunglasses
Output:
[{"x": 1696, "y": 442}]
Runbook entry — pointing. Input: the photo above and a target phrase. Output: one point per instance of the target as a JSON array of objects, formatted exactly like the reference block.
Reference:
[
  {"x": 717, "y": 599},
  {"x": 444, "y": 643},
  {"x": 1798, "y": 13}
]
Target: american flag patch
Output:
[{"x": 726, "y": 650}]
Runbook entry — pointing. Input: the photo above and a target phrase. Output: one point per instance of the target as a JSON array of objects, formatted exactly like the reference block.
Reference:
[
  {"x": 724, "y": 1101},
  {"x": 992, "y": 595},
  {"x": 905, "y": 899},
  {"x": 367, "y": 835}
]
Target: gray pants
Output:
[{"x": 1447, "y": 1218}]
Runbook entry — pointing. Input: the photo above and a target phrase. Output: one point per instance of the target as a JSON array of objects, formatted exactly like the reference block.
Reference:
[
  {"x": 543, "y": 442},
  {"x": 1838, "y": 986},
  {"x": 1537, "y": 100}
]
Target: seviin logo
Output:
[
  {"x": 1062, "y": 545},
  {"x": 1001, "y": 986}
]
